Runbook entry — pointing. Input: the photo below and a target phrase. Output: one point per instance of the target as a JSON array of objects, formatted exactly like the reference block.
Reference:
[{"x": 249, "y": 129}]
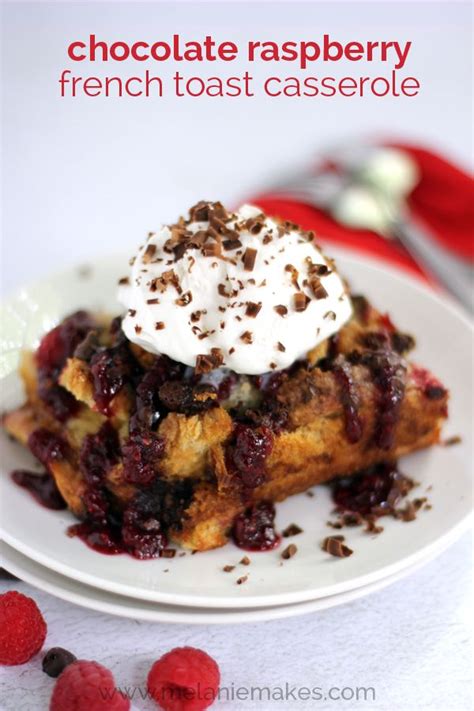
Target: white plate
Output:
[
  {"x": 102, "y": 601},
  {"x": 444, "y": 339}
]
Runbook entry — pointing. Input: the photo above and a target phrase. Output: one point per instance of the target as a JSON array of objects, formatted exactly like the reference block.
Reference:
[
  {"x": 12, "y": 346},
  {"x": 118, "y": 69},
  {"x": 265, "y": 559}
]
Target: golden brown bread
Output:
[{"x": 313, "y": 446}]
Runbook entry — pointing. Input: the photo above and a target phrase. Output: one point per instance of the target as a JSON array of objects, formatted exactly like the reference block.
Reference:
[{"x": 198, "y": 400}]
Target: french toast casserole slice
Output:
[{"x": 147, "y": 446}]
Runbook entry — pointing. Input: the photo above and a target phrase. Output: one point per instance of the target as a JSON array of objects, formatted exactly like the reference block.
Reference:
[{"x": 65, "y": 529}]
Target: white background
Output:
[
  {"x": 87, "y": 176},
  {"x": 410, "y": 642}
]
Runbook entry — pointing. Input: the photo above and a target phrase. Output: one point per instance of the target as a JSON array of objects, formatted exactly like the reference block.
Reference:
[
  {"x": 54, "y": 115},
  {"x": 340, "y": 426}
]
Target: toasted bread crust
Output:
[{"x": 313, "y": 448}]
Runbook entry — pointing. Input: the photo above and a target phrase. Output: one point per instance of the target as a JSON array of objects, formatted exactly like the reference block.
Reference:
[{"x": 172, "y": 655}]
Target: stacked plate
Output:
[{"x": 216, "y": 586}]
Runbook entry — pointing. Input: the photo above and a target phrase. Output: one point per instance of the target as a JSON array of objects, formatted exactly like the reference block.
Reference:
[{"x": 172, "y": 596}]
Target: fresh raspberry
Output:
[
  {"x": 87, "y": 686},
  {"x": 185, "y": 679},
  {"x": 22, "y": 628}
]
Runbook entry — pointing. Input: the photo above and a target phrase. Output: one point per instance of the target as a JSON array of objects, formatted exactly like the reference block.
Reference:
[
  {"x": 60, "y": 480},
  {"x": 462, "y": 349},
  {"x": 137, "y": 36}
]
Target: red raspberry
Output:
[
  {"x": 22, "y": 628},
  {"x": 87, "y": 686},
  {"x": 185, "y": 679}
]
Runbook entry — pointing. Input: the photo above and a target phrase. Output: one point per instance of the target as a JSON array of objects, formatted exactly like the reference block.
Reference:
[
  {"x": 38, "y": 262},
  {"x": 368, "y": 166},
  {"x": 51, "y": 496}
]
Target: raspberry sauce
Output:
[
  {"x": 374, "y": 491},
  {"x": 42, "y": 487},
  {"x": 254, "y": 530}
]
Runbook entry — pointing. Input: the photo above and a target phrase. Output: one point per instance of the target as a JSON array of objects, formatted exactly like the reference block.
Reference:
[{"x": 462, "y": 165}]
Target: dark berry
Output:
[
  {"x": 349, "y": 398},
  {"x": 402, "y": 342},
  {"x": 88, "y": 346},
  {"x": 142, "y": 536},
  {"x": 147, "y": 399},
  {"x": 435, "y": 392},
  {"x": 251, "y": 447},
  {"x": 60, "y": 343},
  {"x": 389, "y": 374},
  {"x": 109, "y": 368},
  {"x": 46, "y": 446},
  {"x": 141, "y": 454},
  {"x": 99, "y": 452},
  {"x": 61, "y": 403},
  {"x": 374, "y": 491},
  {"x": 55, "y": 348},
  {"x": 254, "y": 530},
  {"x": 56, "y": 660},
  {"x": 151, "y": 513}
]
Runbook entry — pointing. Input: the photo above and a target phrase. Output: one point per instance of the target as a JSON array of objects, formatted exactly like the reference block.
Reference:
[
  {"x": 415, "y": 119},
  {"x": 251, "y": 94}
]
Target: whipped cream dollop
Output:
[{"x": 240, "y": 291}]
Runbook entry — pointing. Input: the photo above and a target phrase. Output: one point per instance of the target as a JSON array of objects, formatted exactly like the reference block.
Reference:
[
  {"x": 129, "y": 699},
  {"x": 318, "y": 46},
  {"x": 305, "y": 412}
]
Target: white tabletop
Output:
[{"x": 409, "y": 642}]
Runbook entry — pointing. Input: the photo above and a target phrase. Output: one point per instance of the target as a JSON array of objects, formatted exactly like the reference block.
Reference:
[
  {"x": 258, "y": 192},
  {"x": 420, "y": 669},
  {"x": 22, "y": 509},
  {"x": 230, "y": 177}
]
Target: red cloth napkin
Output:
[{"x": 443, "y": 202}]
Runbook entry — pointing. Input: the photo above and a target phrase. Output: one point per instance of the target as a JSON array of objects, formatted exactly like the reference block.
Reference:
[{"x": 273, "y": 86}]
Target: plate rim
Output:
[
  {"x": 261, "y": 601},
  {"x": 274, "y": 599},
  {"x": 198, "y": 616}
]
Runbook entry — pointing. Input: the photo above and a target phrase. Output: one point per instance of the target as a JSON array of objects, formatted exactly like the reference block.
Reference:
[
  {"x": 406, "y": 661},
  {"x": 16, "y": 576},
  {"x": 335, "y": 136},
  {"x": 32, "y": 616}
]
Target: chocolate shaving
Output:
[
  {"x": 253, "y": 309},
  {"x": 123, "y": 281},
  {"x": 138, "y": 329},
  {"x": 255, "y": 224},
  {"x": 222, "y": 291},
  {"x": 211, "y": 249},
  {"x": 167, "y": 553},
  {"x": 334, "y": 546},
  {"x": 281, "y": 347},
  {"x": 228, "y": 568},
  {"x": 153, "y": 301},
  {"x": 456, "y": 439},
  {"x": 161, "y": 283},
  {"x": 318, "y": 270},
  {"x": 180, "y": 250},
  {"x": 318, "y": 289},
  {"x": 217, "y": 211},
  {"x": 330, "y": 315},
  {"x": 245, "y": 560},
  {"x": 159, "y": 325},
  {"x": 300, "y": 301},
  {"x": 408, "y": 513},
  {"x": 289, "y": 552},
  {"x": 281, "y": 310},
  {"x": 231, "y": 244},
  {"x": 207, "y": 362},
  {"x": 250, "y": 255},
  {"x": 242, "y": 579},
  {"x": 247, "y": 337},
  {"x": 292, "y": 530},
  {"x": 198, "y": 238},
  {"x": 149, "y": 253},
  {"x": 196, "y": 315},
  {"x": 132, "y": 312},
  {"x": 185, "y": 299},
  {"x": 294, "y": 275},
  {"x": 206, "y": 334},
  {"x": 199, "y": 212}
]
